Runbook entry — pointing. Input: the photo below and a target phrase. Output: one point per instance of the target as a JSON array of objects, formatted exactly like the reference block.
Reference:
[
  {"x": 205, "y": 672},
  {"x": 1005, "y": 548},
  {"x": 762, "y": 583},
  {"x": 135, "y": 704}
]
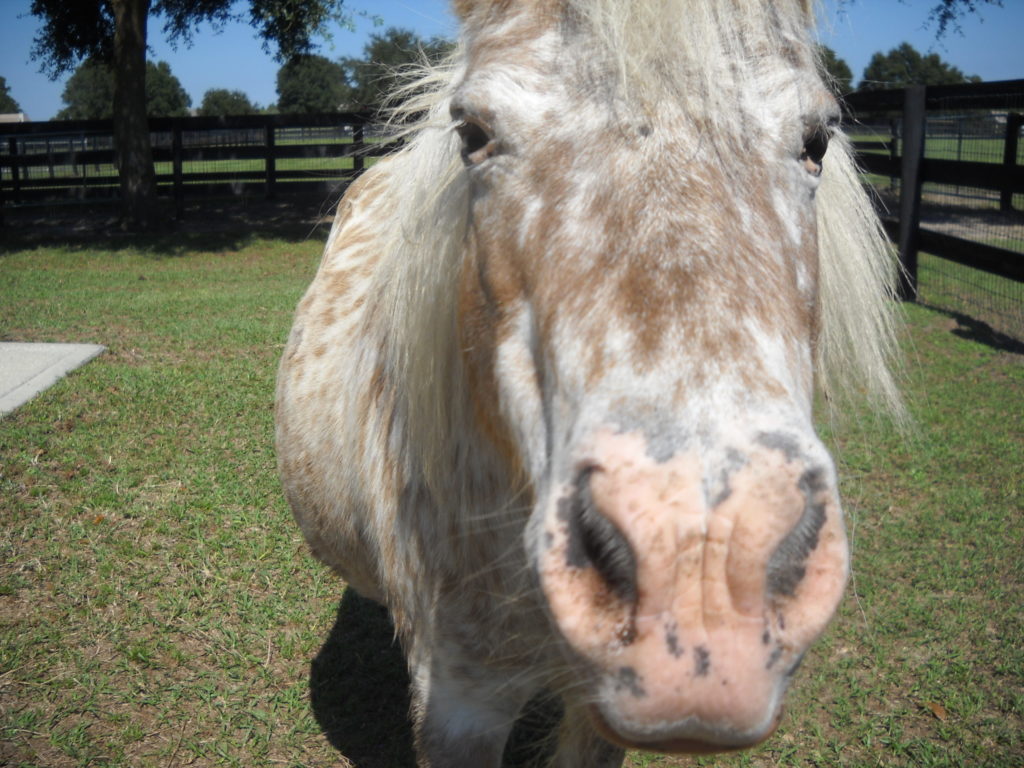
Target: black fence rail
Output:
[
  {"x": 69, "y": 161},
  {"x": 947, "y": 164}
]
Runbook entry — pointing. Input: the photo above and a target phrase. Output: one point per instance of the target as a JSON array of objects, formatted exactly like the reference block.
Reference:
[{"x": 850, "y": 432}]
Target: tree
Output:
[
  {"x": 375, "y": 75},
  {"x": 218, "y": 102},
  {"x": 89, "y": 92},
  {"x": 904, "y": 66},
  {"x": 308, "y": 83},
  {"x": 840, "y": 76},
  {"x": 165, "y": 96},
  {"x": 115, "y": 32},
  {"x": 7, "y": 103}
]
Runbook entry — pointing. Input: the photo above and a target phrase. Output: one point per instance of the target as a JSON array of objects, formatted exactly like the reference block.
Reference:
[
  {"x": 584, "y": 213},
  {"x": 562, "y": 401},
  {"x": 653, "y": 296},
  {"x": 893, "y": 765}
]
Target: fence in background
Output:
[
  {"x": 947, "y": 164},
  {"x": 69, "y": 161}
]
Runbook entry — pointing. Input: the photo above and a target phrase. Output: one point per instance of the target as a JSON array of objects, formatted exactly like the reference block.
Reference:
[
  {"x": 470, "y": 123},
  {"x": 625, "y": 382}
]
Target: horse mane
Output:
[{"x": 422, "y": 238}]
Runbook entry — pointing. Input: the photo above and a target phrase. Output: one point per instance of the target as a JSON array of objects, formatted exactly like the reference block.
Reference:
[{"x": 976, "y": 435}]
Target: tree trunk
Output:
[{"x": 131, "y": 126}]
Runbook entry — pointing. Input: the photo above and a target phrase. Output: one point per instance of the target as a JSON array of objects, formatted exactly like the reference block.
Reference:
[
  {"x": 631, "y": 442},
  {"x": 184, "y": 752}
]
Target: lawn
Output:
[
  {"x": 158, "y": 606},
  {"x": 958, "y": 289},
  {"x": 966, "y": 147}
]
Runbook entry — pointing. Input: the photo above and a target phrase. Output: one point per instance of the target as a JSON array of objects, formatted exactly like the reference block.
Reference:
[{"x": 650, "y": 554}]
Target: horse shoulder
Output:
[{"x": 330, "y": 404}]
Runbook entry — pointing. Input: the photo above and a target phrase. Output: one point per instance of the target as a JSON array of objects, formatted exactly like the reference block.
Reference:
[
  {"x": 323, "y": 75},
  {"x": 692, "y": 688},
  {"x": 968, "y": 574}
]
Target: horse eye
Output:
[
  {"x": 815, "y": 146},
  {"x": 477, "y": 144}
]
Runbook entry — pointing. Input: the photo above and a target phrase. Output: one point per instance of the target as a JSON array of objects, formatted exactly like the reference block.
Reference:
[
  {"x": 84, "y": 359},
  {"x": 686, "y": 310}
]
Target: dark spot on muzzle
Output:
[
  {"x": 786, "y": 567},
  {"x": 627, "y": 678},
  {"x": 780, "y": 441},
  {"x": 662, "y": 439},
  {"x": 721, "y": 488},
  {"x": 595, "y": 542},
  {"x": 702, "y": 661},
  {"x": 672, "y": 640}
]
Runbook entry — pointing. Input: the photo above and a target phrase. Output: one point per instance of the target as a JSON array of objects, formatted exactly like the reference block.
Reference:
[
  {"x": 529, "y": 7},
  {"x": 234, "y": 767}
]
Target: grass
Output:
[
  {"x": 955, "y": 288},
  {"x": 966, "y": 148},
  {"x": 1009, "y": 243},
  {"x": 157, "y": 603},
  {"x": 158, "y": 607}
]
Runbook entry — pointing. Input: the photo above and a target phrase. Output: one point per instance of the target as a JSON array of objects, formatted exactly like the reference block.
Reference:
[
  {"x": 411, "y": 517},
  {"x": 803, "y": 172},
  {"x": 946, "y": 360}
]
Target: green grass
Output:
[
  {"x": 968, "y": 148},
  {"x": 984, "y": 297},
  {"x": 1009, "y": 243},
  {"x": 158, "y": 607}
]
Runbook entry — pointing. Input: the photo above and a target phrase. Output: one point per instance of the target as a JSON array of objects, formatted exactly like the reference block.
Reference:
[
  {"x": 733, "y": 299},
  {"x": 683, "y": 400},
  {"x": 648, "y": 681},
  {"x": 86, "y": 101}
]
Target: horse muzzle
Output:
[{"x": 688, "y": 589}]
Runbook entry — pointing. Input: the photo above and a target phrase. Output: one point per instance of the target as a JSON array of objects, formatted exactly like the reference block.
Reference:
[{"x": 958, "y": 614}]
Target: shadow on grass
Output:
[
  {"x": 208, "y": 225},
  {"x": 977, "y": 330},
  {"x": 359, "y": 690},
  {"x": 359, "y": 687}
]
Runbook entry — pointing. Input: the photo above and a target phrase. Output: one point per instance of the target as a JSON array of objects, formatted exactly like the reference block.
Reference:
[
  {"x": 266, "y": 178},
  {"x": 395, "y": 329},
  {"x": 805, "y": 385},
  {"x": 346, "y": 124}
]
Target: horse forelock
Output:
[{"x": 653, "y": 47}]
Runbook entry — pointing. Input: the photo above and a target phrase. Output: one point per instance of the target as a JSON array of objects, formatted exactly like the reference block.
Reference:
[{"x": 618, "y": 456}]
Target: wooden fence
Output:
[
  {"x": 267, "y": 154},
  {"x": 68, "y": 161},
  {"x": 902, "y": 156}
]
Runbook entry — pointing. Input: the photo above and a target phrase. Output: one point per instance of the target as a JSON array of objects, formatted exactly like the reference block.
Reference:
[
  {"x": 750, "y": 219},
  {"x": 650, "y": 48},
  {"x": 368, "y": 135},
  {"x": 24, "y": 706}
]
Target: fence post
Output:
[
  {"x": 85, "y": 169},
  {"x": 177, "y": 157},
  {"x": 357, "y": 148},
  {"x": 894, "y": 145},
  {"x": 49, "y": 158},
  {"x": 2, "y": 200},
  {"x": 271, "y": 161},
  {"x": 1014, "y": 121},
  {"x": 910, "y": 188},
  {"x": 12, "y": 147}
]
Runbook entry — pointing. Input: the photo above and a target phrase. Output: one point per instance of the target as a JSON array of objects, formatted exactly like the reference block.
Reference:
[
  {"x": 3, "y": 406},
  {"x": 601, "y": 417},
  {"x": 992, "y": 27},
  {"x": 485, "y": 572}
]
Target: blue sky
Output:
[{"x": 990, "y": 45}]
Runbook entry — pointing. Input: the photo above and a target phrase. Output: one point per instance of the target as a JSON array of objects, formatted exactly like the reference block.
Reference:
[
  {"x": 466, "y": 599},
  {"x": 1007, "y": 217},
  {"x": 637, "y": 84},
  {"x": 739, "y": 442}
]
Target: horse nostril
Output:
[
  {"x": 595, "y": 542},
  {"x": 786, "y": 567}
]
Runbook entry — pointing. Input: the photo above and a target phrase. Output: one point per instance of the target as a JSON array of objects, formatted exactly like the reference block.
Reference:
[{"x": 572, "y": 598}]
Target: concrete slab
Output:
[{"x": 27, "y": 369}]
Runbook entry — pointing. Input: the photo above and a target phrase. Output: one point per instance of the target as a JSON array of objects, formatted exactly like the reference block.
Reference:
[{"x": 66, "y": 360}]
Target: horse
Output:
[{"x": 549, "y": 395}]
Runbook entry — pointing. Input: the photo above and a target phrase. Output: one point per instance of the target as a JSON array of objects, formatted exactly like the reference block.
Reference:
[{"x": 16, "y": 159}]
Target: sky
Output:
[{"x": 990, "y": 45}]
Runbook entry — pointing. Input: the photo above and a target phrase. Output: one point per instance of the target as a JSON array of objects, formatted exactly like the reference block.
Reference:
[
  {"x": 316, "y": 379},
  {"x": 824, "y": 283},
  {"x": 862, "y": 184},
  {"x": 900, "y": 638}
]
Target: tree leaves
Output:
[
  {"x": 89, "y": 92},
  {"x": 373, "y": 77},
  {"x": 7, "y": 102},
  {"x": 308, "y": 83},
  {"x": 904, "y": 65},
  {"x": 947, "y": 13}
]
